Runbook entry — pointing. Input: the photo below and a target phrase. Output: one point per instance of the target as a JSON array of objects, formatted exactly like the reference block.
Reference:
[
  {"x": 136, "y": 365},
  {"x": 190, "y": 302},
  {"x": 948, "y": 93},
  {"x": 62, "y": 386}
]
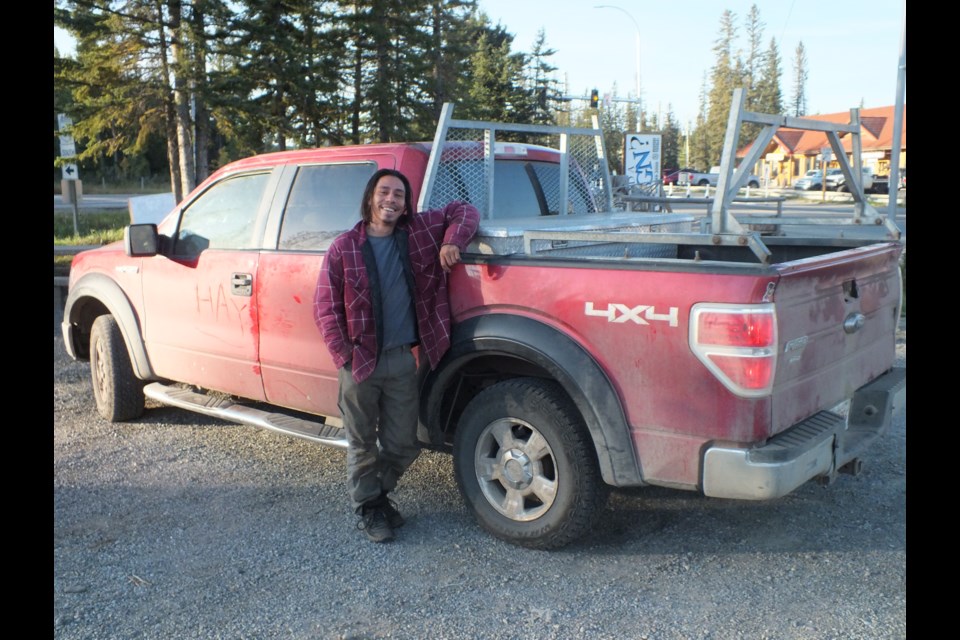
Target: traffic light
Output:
[{"x": 594, "y": 99}]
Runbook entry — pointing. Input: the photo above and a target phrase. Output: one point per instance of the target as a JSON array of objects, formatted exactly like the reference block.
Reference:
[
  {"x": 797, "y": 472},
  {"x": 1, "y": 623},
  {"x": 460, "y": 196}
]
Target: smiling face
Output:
[{"x": 387, "y": 204}]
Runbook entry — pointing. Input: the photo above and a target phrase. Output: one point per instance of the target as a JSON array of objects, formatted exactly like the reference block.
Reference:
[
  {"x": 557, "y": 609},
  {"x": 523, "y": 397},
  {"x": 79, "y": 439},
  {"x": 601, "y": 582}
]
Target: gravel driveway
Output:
[{"x": 182, "y": 526}]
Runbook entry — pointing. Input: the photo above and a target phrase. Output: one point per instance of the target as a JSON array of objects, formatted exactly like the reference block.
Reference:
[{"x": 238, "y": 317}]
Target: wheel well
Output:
[
  {"x": 470, "y": 379},
  {"x": 83, "y": 314},
  {"x": 94, "y": 295},
  {"x": 491, "y": 348}
]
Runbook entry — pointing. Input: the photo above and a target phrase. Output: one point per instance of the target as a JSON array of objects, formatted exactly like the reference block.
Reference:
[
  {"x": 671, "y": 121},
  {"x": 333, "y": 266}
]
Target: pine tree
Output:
[
  {"x": 392, "y": 75},
  {"x": 670, "y": 141},
  {"x": 767, "y": 96},
  {"x": 120, "y": 89},
  {"x": 182, "y": 72},
  {"x": 726, "y": 76},
  {"x": 798, "y": 103},
  {"x": 752, "y": 69},
  {"x": 700, "y": 143},
  {"x": 449, "y": 48},
  {"x": 543, "y": 88},
  {"x": 494, "y": 75}
]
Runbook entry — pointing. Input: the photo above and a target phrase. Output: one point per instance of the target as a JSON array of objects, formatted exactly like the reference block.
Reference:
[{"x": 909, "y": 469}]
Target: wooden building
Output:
[{"x": 793, "y": 151}]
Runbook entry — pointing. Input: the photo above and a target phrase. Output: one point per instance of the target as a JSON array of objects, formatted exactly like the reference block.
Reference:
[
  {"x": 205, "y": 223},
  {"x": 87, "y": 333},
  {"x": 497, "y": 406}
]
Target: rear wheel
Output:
[
  {"x": 703, "y": 183},
  {"x": 753, "y": 184},
  {"x": 118, "y": 393},
  {"x": 525, "y": 466}
]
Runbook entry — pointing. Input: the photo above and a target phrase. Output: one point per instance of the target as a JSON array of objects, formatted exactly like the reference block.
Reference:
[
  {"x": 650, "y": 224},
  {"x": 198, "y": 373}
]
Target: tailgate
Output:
[{"x": 837, "y": 316}]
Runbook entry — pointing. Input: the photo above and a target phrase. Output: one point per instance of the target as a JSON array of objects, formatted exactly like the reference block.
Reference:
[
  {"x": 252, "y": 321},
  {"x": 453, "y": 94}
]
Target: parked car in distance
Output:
[
  {"x": 809, "y": 181},
  {"x": 903, "y": 179},
  {"x": 700, "y": 179},
  {"x": 670, "y": 176},
  {"x": 836, "y": 181}
]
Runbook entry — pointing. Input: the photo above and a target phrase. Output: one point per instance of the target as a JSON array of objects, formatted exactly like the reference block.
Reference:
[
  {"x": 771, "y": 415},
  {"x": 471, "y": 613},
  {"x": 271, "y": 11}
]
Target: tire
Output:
[
  {"x": 753, "y": 184},
  {"x": 843, "y": 188},
  {"x": 703, "y": 183},
  {"x": 525, "y": 465},
  {"x": 118, "y": 393}
]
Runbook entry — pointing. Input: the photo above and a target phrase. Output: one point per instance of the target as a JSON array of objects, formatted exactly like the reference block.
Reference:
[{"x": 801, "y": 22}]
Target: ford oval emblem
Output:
[{"x": 854, "y": 322}]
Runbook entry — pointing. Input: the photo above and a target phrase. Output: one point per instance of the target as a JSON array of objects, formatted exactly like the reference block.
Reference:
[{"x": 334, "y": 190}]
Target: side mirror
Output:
[{"x": 141, "y": 240}]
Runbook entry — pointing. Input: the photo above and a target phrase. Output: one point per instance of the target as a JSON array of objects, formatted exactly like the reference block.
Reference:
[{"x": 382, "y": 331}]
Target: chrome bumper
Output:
[{"x": 819, "y": 446}]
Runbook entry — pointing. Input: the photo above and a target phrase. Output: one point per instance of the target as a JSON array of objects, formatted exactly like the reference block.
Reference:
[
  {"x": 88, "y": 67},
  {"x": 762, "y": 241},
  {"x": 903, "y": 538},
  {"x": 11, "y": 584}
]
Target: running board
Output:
[{"x": 322, "y": 430}]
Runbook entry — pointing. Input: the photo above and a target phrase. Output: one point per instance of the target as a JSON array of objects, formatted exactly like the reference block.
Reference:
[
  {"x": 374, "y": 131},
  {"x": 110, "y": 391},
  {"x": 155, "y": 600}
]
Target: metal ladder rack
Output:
[{"x": 725, "y": 227}]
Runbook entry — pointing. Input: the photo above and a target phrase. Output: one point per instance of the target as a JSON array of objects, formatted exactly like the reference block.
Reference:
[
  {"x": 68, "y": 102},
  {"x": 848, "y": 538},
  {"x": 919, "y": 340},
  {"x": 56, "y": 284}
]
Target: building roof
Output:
[{"x": 876, "y": 133}]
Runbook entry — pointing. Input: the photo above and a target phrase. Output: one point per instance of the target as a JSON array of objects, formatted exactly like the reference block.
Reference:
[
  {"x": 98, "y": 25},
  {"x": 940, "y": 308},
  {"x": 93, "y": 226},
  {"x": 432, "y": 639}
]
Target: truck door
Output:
[
  {"x": 199, "y": 298},
  {"x": 324, "y": 201}
]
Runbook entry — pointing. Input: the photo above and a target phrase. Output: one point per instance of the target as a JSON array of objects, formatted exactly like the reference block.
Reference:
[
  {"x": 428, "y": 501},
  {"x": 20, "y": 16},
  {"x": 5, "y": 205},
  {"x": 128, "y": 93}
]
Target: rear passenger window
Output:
[{"x": 324, "y": 202}]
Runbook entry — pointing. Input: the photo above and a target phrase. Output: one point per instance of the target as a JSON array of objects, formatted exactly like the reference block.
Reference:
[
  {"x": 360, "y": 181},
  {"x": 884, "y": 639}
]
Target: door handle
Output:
[{"x": 241, "y": 284}]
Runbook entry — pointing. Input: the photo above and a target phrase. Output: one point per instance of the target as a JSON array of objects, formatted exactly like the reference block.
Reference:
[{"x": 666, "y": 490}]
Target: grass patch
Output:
[
  {"x": 96, "y": 227},
  {"x": 99, "y": 226}
]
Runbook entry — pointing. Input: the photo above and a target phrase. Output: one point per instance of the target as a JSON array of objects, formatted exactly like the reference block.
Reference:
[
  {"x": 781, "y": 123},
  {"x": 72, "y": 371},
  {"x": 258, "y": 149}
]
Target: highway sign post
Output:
[
  {"x": 71, "y": 173},
  {"x": 826, "y": 155}
]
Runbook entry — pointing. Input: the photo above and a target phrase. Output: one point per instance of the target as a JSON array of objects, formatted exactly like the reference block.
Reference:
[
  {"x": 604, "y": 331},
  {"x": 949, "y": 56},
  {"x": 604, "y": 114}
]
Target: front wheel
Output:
[
  {"x": 753, "y": 184},
  {"x": 117, "y": 391},
  {"x": 525, "y": 466}
]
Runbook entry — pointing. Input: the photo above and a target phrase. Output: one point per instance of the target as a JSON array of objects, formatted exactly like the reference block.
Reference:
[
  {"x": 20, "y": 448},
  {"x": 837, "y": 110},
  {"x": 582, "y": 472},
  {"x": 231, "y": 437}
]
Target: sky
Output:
[{"x": 852, "y": 47}]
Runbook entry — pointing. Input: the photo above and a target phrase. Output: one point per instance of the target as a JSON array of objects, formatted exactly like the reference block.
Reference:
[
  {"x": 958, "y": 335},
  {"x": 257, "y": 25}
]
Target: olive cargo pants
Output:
[{"x": 380, "y": 420}]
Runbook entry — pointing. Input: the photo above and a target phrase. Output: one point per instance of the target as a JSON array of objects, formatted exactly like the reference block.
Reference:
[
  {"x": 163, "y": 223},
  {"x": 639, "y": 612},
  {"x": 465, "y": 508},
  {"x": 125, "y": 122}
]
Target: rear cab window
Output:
[{"x": 324, "y": 202}]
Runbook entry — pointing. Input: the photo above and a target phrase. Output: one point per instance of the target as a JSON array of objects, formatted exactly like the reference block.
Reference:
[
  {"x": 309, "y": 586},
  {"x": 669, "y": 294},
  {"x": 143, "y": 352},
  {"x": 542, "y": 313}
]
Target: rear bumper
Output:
[{"x": 818, "y": 446}]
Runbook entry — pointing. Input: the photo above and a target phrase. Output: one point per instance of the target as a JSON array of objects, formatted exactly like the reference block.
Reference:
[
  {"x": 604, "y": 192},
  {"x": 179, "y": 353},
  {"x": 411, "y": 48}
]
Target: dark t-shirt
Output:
[{"x": 399, "y": 321}]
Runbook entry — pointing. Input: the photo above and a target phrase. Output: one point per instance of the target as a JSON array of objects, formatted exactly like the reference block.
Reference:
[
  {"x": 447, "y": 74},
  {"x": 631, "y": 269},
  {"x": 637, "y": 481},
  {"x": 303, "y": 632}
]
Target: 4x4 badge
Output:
[{"x": 640, "y": 314}]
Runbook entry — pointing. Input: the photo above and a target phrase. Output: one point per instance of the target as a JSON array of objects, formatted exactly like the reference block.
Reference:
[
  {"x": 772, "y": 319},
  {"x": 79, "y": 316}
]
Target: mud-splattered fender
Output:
[
  {"x": 518, "y": 338},
  {"x": 79, "y": 314}
]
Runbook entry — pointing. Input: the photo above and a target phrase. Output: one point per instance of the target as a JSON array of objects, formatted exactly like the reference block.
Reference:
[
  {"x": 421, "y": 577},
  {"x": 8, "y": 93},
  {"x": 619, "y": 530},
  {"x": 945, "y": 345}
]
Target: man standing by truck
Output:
[{"x": 382, "y": 290}]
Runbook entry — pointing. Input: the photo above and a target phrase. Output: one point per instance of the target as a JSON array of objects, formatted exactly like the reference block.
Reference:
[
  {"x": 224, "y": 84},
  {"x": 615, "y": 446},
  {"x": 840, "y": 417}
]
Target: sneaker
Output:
[
  {"x": 389, "y": 508},
  {"x": 373, "y": 522}
]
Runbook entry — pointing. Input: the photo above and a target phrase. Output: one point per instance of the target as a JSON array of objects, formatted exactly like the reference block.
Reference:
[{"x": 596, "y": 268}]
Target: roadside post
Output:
[
  {"x": 826, "y": 153},
  {"x": 71, "y": 175}
]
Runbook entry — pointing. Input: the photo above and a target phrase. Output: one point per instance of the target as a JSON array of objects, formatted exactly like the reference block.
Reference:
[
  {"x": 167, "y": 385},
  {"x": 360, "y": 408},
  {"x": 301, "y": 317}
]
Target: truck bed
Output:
[{"x": 633, "y": 235}]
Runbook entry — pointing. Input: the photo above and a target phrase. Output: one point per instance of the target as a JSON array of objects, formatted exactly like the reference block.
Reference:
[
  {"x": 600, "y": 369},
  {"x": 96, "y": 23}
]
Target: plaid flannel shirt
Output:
[{"x": 344, "y": 306}]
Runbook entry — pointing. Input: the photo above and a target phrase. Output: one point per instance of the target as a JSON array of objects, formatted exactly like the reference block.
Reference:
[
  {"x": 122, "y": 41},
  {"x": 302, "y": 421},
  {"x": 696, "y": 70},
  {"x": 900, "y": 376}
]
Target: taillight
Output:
[{"x": 738, "y": 344}]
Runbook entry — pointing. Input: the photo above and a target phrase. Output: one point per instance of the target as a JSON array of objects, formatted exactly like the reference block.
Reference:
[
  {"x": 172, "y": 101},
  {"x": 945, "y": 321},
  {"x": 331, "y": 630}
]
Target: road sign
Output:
[
  {"x": 68, "y": 149},
  {"x": 642, "y": 159},
  {"x": 827, "y": 153}
]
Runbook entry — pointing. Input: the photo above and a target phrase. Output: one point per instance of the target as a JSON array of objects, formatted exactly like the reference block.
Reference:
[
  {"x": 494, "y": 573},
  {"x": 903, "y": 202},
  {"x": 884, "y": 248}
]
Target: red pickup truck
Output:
[{"x": 591, "y": 347}]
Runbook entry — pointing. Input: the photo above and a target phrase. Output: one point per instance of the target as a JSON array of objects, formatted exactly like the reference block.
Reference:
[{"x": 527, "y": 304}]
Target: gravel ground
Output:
[{"x": 182, "y": 526}]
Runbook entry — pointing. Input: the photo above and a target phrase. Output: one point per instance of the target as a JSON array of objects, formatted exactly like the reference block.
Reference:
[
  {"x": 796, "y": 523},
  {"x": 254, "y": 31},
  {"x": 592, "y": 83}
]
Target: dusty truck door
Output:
[
  {"x": 324, "y": 201},
  {"x": 200, "y": 297}
]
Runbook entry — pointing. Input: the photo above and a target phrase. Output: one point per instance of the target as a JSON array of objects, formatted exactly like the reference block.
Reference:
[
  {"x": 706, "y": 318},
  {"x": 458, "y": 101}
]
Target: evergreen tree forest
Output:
[{"x": 171, "y": 90}]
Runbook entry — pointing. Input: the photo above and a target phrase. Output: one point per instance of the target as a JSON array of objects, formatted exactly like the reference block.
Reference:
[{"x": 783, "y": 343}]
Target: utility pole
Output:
[{"x": 637, "y": 26}]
